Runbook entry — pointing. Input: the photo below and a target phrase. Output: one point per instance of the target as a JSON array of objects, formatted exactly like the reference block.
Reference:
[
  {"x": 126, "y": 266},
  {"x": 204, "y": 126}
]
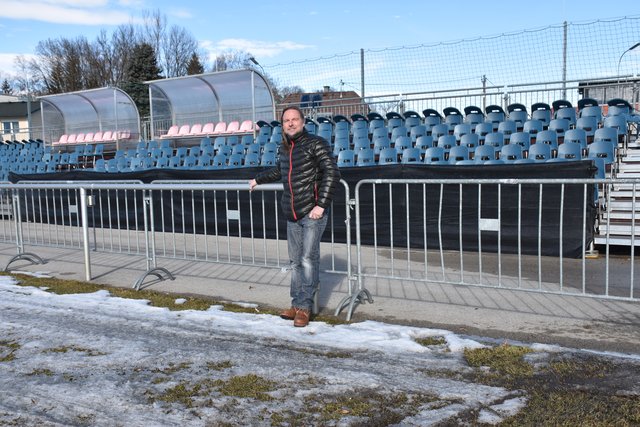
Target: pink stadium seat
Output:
[
  {"x": 234, "y": 126},
  {"x": 207, "y": 129},
  {"x": 71, "y": 139},
  {"x": 246, "y": 126},
  {"x": 196, "y": 129},
  {"x": 97, "y": 137},
  {"x": 123, "y": 134},
  {"x": 80, "y": 138},
  {"x": 106, "y": 136},
  {"x": 221, "y": 127},
  {"x": 184, "y": 130},
  {"x": 63, "y": 139},
  {"x": 88, "y": 137},
  {"x": 173, "y": 131}
]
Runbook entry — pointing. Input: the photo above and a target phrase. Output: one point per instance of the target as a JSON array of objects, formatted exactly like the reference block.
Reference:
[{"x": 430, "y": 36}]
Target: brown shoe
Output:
[
  {"x": 302, "y": 318},
  {"x": 289, "y": 313}
]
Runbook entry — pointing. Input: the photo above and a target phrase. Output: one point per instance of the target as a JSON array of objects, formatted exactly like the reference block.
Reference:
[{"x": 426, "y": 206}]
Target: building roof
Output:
[{"x": 17, "y": 109}]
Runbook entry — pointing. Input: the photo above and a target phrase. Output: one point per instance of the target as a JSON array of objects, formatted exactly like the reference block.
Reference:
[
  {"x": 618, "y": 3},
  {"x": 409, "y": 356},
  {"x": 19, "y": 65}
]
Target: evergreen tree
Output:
[
  {"x": 6, "y": 88},
  {"x": 194, "y": 66},
  {"x": 142, "y": 67}
]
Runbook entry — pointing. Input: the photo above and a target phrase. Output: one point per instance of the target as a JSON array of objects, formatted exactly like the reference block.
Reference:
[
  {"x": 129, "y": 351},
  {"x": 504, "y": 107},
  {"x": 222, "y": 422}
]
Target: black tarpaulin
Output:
[{"x": 396, "y": 215}]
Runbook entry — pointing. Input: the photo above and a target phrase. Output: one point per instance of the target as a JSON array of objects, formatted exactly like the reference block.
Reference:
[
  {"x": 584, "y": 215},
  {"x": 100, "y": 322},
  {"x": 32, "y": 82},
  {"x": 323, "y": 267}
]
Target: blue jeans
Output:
[{"x": 303, "y": 239}]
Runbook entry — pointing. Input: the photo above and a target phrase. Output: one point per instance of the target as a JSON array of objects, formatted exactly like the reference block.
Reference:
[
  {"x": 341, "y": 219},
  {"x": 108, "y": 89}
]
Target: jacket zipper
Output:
[{"x": 290, "y": 186}]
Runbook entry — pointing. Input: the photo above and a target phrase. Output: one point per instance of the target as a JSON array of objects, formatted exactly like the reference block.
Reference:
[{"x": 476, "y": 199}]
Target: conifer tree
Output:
[{"x": 143, "y": 67}]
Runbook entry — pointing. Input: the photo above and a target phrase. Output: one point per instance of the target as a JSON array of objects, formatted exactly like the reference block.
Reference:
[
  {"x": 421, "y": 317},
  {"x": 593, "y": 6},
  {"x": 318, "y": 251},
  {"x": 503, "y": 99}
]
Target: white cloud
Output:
[
  {"x": 7, "y": 63},
  {"x": 260, "y": 49},
  {"x": 79, "y": 12}
]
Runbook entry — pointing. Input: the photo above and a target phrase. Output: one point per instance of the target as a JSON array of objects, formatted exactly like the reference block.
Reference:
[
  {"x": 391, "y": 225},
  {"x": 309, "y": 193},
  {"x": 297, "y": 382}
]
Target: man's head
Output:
[{"x": 292, "y": 121}]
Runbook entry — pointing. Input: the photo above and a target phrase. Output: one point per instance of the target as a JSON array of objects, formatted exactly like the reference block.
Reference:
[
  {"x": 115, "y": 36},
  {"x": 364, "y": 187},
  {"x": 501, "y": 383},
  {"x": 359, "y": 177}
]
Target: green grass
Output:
[
  {"x": 249, "y": 386},
  {"x": 568, "y": 391},
  {"x": 8, "y": 350},
  {"x": 65, "y": 349},
  {"x": 431, "y": 341}
]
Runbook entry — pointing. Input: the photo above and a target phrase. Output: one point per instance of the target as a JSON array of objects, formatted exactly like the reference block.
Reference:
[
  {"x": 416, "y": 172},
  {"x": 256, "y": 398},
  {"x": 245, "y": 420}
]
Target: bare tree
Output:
[
  {"x": 123, "y": 42},
  {"x": 177, "y": 49},
  {"x": 28, "y": 80},
  {"x": 232, "y": 60}
]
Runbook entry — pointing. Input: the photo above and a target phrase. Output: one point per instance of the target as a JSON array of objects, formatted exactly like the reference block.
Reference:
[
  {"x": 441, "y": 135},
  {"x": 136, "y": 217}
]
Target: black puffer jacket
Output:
[{"x": 309, "y": 174}]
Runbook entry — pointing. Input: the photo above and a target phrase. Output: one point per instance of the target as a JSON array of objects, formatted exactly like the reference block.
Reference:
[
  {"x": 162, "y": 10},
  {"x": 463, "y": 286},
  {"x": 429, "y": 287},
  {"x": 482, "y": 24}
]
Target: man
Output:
[{"x": 310, "y": 175}]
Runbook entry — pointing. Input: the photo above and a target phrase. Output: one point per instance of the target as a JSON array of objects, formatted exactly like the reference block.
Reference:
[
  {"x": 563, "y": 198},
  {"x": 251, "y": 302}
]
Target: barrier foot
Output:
[
  {"x": 592, "y": 252},
  {"x": 33, "y": 258},
  {"x": 160, "y": 272},
  {"x": 363, "y": 296}
]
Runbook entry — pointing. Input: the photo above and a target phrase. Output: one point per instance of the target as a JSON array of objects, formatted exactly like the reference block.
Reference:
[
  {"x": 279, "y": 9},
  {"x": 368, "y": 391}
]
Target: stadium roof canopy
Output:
[
  {"x": 223, "y": 96},
  {"x": 103, "y": 109}
]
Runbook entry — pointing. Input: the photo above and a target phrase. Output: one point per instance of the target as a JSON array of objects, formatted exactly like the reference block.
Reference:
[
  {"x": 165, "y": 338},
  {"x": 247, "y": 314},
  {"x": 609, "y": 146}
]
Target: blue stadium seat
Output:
[
  {"x": 471, "y": 141},
  {"x": 533, "y": 126},
  {"x": 540, "y": 152},
  {"x": 460, "y": 130},
  {"x": 268, "y": 158},
  {"x": 439, "y": 130},
  {"x": 252, "y": 159},
  {"x": 589, "y": 124},
  {"x": 381, "y": 144},
  {"x": 541, "y": 111},
  {"x": 424, "y": 142},
  {"x": 510, "y": 153},
  {"x": 388, "y": 156},
  {"x": 417, "y": 131},
  {"x": 560, "y": 126},
  {"x": 401, "y": 143},
  {"x": 482, "y": 129},
  {"x": 547, "y": 137},
  {"x": 411, "y": 155},
  {"x": 365, "y": 157},
  {"x": 507, "y": 127},
  {"x": 517, "y": 113},
  {"x": 458, "y": 153},
  {"x": 522, "y": 139},
  {"x": 578, "y": 136},
  {"x": 496, "y": 139},
  {"x": 346, "y": 158},
  {"x": 494, "y": 115},
  {"x": 564, "y": 110},
  {"x": 484, "y": 153},
  {"x": 473, "y": 115},
  {"x": 602, "y": 149},
  {"x": 569, "y": 151}
]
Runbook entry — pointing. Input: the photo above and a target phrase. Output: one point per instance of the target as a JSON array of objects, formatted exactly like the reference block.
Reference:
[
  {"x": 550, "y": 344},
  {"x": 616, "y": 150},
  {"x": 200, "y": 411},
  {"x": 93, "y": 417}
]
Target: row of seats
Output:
[
  {"x": 220, "y": 128},
  {"x": 204, "y": 161},
  {"x": 539, "y": 152},
  {"x": 94, "y": 137},
  {"x": 562, "y": 115}
]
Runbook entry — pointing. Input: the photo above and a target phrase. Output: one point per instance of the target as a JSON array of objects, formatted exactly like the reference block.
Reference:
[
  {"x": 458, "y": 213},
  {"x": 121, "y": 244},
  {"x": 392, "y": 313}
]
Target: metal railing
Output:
[{"x": 514, "y": 234}]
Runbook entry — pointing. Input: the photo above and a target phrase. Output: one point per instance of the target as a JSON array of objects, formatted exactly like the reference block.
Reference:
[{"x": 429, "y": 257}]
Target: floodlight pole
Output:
[
  {"x": 252, "y": 59},
  {"x": 620, "y": 60}
]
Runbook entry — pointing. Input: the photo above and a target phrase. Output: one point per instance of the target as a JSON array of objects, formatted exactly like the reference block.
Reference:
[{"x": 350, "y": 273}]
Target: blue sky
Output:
[{"x": 286, "y": 31}]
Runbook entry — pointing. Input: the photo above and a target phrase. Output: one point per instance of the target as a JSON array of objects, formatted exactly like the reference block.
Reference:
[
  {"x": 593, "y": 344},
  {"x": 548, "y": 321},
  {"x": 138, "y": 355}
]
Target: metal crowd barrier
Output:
[
  {"x": 209, "y": 221},
  {"x": 516, "y": 234}
]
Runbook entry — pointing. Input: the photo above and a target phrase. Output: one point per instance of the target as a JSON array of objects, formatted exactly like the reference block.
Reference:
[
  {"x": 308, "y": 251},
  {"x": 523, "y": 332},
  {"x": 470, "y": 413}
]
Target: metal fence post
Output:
[{"x": 84, "y": 201}]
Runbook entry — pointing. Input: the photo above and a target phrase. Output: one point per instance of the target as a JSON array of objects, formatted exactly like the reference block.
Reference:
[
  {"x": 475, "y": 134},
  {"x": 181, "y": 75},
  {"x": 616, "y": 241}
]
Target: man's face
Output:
[{"x": 292, "y": 123}]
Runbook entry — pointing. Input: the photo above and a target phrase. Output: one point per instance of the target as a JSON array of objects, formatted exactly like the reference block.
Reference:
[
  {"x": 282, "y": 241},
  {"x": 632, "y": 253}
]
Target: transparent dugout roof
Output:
[
  {"x": 210, "y": 98},
  {"x": 104, "y": 109}
]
